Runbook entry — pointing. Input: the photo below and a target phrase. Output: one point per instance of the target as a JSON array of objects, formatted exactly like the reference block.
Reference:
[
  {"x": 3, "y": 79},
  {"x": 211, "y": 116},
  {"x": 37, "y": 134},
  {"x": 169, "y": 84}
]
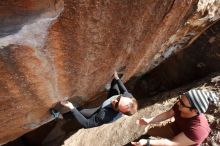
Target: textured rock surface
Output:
[
  {"x": 176, "y": 71},
  {"x": 200, "y": 59},
  {"x": 50, "y": 49}
]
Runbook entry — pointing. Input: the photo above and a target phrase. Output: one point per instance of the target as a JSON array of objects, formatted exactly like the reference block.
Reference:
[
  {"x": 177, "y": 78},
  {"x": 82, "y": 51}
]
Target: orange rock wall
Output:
[{"x": 71, "y": 48}]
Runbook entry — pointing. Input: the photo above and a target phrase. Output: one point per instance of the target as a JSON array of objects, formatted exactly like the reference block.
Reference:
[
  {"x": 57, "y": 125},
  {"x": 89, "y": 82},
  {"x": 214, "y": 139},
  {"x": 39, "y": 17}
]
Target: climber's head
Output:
[{"x": 126, "y": 105}]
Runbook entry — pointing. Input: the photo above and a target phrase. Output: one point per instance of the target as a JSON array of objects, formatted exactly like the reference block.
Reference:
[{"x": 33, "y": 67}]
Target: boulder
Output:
[{"x": 55, "y": 48}]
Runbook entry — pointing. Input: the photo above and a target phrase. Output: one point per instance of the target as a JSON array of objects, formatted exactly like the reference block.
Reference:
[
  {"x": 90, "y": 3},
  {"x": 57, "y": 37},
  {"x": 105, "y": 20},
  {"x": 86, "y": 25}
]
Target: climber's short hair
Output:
[{"x": 133, "y": 106}]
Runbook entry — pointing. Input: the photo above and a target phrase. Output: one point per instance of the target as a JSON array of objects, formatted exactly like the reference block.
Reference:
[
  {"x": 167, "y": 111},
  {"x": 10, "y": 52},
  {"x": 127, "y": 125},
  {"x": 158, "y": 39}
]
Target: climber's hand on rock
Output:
[
  {"x": 67, "y": 104},
  {"x": 116, "y": 75}
]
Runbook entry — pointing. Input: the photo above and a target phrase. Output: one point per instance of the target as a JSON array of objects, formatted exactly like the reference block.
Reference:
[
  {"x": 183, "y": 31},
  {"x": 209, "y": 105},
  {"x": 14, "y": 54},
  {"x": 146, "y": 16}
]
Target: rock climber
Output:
[{"x": 119, "y": 102}]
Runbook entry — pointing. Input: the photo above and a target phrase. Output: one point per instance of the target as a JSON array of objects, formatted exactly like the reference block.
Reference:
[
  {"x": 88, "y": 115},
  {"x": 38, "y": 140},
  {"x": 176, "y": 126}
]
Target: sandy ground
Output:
[{"x": 123, "y": 131}]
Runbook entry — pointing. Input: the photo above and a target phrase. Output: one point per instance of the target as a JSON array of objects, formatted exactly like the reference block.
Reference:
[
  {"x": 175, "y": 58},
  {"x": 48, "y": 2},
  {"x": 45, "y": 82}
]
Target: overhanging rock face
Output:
[{"x": 51, "y": 48}]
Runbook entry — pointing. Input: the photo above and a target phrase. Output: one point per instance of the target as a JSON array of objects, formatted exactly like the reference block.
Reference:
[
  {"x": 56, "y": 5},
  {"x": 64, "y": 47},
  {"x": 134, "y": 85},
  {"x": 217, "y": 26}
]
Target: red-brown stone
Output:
[{"x": 82, "y": 43}]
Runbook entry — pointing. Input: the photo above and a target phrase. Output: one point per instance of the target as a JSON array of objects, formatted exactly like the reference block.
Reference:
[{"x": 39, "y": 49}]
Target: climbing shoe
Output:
[{"x": 56, "y": 114}]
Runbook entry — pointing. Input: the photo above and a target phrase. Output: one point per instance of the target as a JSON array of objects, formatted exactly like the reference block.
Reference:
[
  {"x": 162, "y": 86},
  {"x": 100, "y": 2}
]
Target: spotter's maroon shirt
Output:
[{"x": 196, "y": 128}]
